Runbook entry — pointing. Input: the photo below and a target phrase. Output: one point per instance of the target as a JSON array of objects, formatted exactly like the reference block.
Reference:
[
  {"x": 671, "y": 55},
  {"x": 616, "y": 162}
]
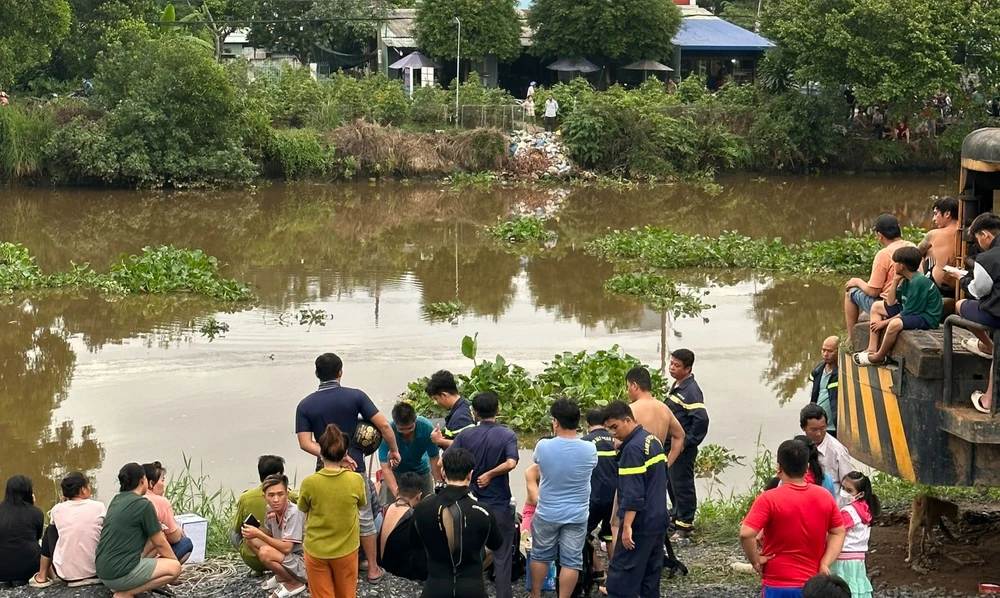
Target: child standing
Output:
[
  {"x": 861, "y": 508},
  {"x": 919, "y": 307}
]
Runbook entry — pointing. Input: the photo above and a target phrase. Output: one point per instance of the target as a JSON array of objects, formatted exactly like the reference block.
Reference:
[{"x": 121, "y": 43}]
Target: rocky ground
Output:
[{"x": 951, "y": 569}]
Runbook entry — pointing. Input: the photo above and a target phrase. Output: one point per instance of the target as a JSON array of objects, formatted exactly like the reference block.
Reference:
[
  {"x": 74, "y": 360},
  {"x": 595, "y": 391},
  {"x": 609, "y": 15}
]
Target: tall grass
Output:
[
  {"x": 719, "y": 517},
  {"x": 23, "y": 135},
  {"x": 189, "y": 492}
]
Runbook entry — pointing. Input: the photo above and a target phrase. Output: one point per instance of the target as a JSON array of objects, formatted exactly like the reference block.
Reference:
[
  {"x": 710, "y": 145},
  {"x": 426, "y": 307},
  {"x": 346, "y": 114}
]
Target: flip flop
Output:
[
  {"x": 861, "y": 358},
  {"x": 972, "y": 346},
  {"x": 376, "y": 580},
  {"x": 90, "y": 581},
  {"x": 271, "y": 583},
  {"x": 977, "y": 402},
  {"x": 33, "y": 582},
  {"x": 284, "y": 592}
]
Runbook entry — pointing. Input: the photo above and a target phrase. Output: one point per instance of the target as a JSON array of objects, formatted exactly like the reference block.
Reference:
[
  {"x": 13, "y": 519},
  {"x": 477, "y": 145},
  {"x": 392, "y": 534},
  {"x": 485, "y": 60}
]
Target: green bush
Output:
[
  {"x": 292, "y": 96},
  {"x": 385, "y": 100},
  {"x": 793, "y": 131},
  {"x": 300, "y": 152},
  {"x": 692, "y": 90},
  {"x": 524, "y": 229},
  {"x": 429, "y": 105},
  {"x": 23, "y": 135}
]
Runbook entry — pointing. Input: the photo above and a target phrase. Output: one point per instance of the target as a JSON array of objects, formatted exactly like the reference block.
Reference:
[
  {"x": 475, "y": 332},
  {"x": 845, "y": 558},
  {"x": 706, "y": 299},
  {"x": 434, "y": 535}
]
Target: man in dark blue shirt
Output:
[
  {"x": 336, "y": 404},
  {"x": 495, "y": 449},
  {"x": 442, "y": 388},
  {"x": 604, "y": 479},
  {"x": 688, "y": 405},
  {"x": 637, "y": 563}
]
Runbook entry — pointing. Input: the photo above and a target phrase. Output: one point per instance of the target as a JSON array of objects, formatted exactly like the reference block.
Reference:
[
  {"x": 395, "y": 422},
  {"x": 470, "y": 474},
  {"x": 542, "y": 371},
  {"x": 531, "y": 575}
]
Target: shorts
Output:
[
  {"x": 182, "y": 547},
  {"x": 600, "y": 516},
  {"x": 566, "y": 539},
  {"x": 782, "y": 592},
  {"x": 971, "y": 311},
  {"x": 366, "y": 520},
  {"x": 862, "y": 300},
  {"x": 139, "y": 576},
  {"x": 910, "y": 322},
  {"x": 295, "y": 564}
]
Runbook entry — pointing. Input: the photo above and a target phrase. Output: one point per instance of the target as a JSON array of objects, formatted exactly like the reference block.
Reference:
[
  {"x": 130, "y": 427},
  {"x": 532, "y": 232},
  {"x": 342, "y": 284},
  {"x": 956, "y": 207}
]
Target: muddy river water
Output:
[{"x": 90, "y": 383}]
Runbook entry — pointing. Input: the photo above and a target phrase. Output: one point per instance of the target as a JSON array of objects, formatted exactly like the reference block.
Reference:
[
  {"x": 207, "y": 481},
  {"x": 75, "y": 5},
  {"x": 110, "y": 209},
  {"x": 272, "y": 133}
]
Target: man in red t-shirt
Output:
[{"x": 803, "y": 532}]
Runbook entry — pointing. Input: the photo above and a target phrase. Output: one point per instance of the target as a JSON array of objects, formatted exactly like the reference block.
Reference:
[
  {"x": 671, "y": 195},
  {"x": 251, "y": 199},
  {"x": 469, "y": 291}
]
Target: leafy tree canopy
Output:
[
  {"x": 29, "y": 29},
  {"x": 489, "y": 27},
  {"x": 625, "y": 29},
  {"x": 892, "y": 51}
]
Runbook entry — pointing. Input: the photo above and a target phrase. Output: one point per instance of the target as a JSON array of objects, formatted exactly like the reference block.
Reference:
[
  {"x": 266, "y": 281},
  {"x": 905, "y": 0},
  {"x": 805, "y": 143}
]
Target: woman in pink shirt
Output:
[
  {"x": 182, "y": 545},
  {"x": 70, "y": 542}
]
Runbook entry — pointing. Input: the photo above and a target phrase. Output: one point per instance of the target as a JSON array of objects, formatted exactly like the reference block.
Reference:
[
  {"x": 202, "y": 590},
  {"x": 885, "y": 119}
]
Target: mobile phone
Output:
[{"x": 251, "y": 521}]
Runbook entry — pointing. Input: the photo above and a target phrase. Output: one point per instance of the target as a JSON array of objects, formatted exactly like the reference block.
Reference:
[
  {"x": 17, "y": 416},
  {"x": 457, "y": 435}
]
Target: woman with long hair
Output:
[
  {"x": 21, "y": 524},
  {"x": 815, "y": 473},
  {"x": 332, "y": 498},
  {"x": 156, "y": 480}
]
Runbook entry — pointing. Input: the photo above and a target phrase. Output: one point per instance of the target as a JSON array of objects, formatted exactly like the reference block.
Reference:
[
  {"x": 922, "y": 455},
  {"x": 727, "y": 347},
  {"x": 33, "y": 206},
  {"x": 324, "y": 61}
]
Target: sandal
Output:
[
  {"x": 376, "y": 580},
  {"x": 33, "y": 582},
  {"x": 271, "y": 583},
  {"x": 977, "y": 402},
  {"x": 861, "y": 358},
  {"x": 972, "y": 345},
  {"x": 284, "y": 592}
]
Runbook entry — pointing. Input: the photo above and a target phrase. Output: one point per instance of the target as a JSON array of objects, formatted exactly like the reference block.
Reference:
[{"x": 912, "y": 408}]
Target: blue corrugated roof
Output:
[{"x": 713, "y": 33}]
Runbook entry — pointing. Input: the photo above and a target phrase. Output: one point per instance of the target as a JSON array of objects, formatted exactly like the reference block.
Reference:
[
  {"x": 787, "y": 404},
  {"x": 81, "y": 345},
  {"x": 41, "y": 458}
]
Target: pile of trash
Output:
[{"x": 536, "y": 154}]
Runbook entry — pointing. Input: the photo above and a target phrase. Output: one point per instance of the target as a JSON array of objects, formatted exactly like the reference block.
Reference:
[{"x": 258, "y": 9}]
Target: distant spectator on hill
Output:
[{"x": 551, "y": 111}]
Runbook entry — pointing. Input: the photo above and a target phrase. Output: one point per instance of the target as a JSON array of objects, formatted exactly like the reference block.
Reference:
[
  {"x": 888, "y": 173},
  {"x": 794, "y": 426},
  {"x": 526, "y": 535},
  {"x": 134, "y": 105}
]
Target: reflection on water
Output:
[{"x": 371, "y": 256}]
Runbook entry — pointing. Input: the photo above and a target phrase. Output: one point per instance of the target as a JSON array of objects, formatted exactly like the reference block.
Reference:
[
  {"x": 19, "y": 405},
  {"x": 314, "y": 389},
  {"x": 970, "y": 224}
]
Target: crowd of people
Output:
[{"x": 913, "y": 287}]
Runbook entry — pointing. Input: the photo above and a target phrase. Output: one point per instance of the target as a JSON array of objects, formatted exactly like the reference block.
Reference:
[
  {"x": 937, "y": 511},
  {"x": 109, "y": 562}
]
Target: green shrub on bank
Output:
[
  {"x": 662, "y": 248},
  {"x": 592, "y": 379},
  {"x": 641, "y": 141},
  {"x": 300, "y": 152},
  {"x": 23, "y": 134}
]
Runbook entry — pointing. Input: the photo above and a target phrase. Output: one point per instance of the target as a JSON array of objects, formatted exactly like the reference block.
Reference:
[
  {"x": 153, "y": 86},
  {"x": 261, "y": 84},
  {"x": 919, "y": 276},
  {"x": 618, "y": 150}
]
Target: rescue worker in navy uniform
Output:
[
  {"x": 637, "y": 563},
  {"x": 604, "y": 480},
  {"x": 444, "y": 391},
  {"x": 688, "y": 405}
]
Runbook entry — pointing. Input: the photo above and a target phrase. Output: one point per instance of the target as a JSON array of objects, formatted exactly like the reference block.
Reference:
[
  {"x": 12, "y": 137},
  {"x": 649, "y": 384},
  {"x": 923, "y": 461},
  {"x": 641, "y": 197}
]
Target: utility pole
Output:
[{"x": 458, "y": 68}]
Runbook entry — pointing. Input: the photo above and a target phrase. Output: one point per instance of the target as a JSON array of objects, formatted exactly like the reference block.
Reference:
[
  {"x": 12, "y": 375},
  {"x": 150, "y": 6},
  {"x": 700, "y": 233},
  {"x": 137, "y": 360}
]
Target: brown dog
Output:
[{"x": 928, "y": 512}]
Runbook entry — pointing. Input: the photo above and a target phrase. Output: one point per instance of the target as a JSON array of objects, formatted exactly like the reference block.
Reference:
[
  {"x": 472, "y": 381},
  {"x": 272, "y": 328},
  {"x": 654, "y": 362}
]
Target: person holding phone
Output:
[
  {"x": 278, "y": 542},
  {"x": 252, "y": 504}
]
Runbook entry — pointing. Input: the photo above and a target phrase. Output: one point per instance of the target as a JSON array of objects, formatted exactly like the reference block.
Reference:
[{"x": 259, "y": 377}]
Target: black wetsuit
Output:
[{"x": 458, "y": 573}]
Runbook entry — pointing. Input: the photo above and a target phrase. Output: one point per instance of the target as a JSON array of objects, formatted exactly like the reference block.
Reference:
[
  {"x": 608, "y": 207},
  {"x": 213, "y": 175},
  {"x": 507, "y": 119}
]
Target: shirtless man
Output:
[
  {"x": 938, "y": 246},
  {"x": 410, "y": 564},
  {"x": 655, "y": 417}
]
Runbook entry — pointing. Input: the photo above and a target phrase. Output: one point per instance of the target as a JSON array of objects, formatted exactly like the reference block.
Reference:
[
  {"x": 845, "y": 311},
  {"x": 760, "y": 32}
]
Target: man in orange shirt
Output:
[{"x": 860, "y": 295}]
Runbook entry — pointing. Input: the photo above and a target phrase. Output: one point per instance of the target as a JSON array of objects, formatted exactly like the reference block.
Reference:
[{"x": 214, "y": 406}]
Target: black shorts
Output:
[{"x": 600, "y": 516}]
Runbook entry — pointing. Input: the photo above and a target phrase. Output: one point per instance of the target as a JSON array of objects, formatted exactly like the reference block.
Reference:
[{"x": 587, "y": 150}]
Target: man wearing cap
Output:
[
  {"x": 861, "y": 295},
  {"x": 346, "y": 407}
]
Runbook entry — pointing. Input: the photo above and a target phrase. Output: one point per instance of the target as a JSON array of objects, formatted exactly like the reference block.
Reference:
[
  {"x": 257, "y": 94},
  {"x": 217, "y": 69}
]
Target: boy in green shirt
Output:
[
  {"x": 919, "y": 307},
  {"x": 252, "y": 502}
]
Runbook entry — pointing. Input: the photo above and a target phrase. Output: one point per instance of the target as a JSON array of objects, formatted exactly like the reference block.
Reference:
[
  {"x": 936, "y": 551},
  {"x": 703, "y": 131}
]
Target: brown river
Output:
[{"x": 88, "y": 383}]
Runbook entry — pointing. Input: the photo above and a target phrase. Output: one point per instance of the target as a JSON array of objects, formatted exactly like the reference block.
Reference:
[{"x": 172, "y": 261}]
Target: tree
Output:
[
  {"x": 97, "y": 25},
  {"x": 29, "y": 30},
  {"x": 222, "y": 18},
  {"x": 286, "y": 36},
  {"x": 626, "y": 29},
  {"x": 489, "y": 27},
  {"x": 892, "y": 51}
]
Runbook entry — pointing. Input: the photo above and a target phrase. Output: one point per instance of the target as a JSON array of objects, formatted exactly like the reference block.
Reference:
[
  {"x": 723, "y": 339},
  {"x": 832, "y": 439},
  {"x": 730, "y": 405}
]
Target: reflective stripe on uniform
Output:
[
  {"x": 453, "y": 433},
  {"x": 606, "y": 453},
  {"x": 688, "y": 406},
  {"x": 833, "y": 385},
  {"x": 661, "y": 458}
]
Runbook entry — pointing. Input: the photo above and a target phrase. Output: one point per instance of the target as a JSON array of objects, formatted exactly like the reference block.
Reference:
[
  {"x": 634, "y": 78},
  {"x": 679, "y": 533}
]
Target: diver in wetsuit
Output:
[{"x": 453, "y": 527}]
